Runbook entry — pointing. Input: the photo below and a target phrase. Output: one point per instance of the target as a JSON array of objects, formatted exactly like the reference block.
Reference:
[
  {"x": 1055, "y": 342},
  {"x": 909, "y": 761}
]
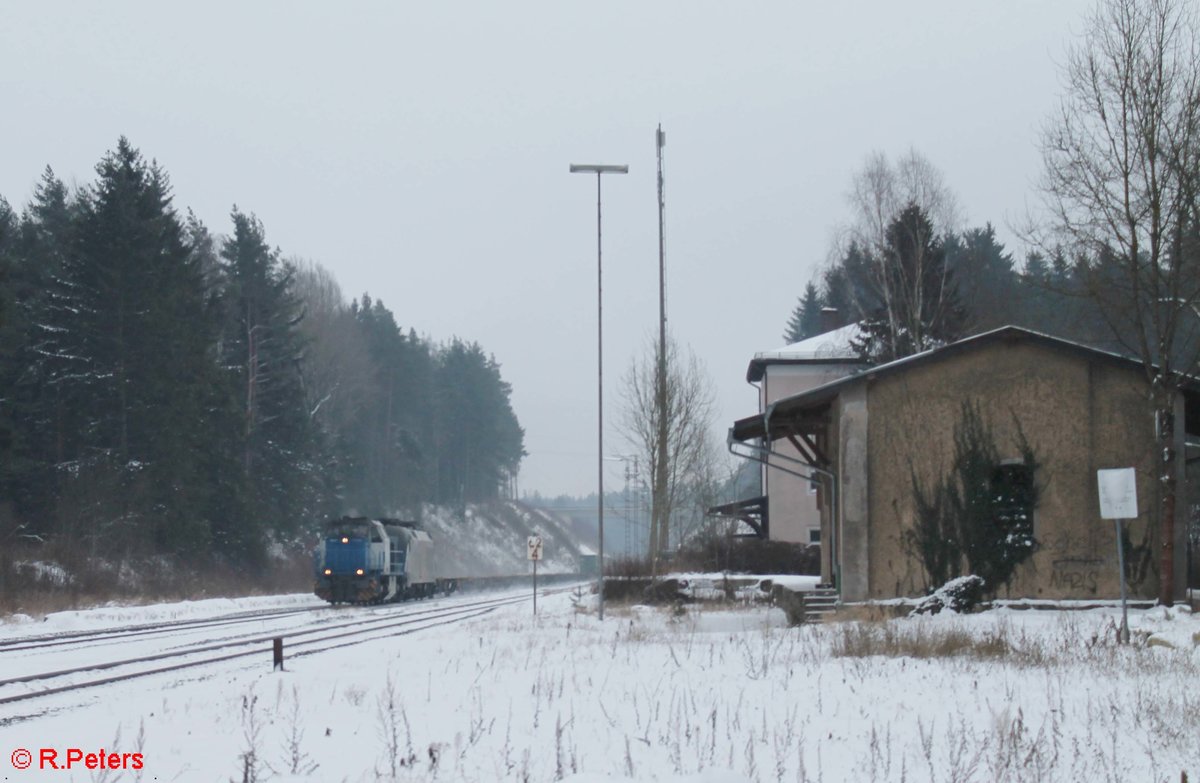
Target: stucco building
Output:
[
  {"x": 791, "y": 508},
  {"x": 870, "y": 437}
]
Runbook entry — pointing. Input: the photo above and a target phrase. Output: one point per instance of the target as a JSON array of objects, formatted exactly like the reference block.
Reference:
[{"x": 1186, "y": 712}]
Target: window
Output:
[
  {"x": 814, "y": 535},
  {"x": 1014, "y": 497}
]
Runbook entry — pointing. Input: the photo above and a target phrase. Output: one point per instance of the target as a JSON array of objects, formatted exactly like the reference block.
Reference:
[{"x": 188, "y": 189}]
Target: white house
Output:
[{"x": 790, "y": 510}]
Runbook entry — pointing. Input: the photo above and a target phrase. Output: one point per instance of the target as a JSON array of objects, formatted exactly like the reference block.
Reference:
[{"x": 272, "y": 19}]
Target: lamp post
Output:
[{"x": 599, "y": 170}]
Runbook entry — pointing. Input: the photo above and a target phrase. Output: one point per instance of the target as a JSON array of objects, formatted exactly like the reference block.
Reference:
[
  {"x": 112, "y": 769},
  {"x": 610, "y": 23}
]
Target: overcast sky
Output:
[{"x": 419, "y": 151}]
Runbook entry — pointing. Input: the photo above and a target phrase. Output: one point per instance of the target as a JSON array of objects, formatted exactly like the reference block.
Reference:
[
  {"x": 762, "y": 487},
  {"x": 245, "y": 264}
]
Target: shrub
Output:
[
  {"x": 963, "y": 594},
  {"x": 751, "y": 556}
]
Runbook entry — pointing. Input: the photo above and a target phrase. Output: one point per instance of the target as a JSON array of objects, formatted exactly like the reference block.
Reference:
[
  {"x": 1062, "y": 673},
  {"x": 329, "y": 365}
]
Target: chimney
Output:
[{"x": 829, "y": 319}]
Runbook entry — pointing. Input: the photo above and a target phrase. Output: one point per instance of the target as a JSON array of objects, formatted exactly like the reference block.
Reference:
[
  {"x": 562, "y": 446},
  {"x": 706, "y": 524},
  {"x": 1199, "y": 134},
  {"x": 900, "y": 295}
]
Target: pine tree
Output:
[
  {"x": 847, "y": 285},
  {"x": 481, "y": 443},
  {"x": 913, "y": 303},
  {"x": 805, "y": 321},
  {"x": 10, "y": 343},
  {"x": 262, "y": 351},
  {"x": 984, "y": 278},
  {"x": 133, "y": 358},
  {"x": 34, "y": 406},
  {"x": 391, "y": 447}
]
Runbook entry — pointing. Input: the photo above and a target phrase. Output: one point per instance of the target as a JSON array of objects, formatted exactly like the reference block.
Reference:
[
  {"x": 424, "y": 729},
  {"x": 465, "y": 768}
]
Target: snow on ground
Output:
[
  {"x": 700, "y": 695},
  {"x": 116, "y": 616}
]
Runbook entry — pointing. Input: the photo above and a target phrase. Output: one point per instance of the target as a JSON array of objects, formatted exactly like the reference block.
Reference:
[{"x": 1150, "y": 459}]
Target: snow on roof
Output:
[{"x": 829, "y": 345}]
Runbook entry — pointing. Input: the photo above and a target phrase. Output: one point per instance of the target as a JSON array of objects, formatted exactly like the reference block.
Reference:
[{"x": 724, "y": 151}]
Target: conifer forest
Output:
[{"x": 171, "y": 389}]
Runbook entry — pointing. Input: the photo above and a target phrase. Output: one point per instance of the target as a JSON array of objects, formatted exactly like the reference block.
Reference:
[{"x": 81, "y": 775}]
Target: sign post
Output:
[
  {"x": 1118, "y": 500},
  {"x": 533, "y": 546}
]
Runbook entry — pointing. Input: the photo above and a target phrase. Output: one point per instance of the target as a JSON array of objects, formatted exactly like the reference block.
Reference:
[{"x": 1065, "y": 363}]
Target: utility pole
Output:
[{"x": 659, "y": 518}]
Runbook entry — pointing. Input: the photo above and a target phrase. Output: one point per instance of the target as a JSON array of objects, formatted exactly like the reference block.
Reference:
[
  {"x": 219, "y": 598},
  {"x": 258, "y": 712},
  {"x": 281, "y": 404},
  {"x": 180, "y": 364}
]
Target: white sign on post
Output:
[
  {"x": 1118, "y": 500},
  {"x": 1118, "y": 493},
  {"x": 533, "y": 546}
]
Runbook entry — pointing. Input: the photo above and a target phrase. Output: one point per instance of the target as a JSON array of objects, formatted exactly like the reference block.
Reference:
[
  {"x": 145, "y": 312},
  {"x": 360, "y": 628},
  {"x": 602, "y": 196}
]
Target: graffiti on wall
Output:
[{"x": 1076, "y": 574}]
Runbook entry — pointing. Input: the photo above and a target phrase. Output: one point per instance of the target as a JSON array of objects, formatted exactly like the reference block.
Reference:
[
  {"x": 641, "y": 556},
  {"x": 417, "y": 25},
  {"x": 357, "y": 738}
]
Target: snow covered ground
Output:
[
  {"x": 704, "y": 695},
  {"x": 122, "y": 616}
]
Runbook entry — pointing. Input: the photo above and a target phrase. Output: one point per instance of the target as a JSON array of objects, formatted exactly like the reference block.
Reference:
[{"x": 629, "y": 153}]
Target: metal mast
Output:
[
  {"x": 599, "y": 169},
  {"x": 661, "y": 522}
]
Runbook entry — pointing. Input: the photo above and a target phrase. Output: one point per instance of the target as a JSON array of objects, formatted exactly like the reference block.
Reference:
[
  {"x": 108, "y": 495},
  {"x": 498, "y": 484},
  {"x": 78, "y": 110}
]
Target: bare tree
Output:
[
  {"x": 1120, "y": 159},
  {"x": 690, "y": 410},
  {"x": 889, "y": 258},
  {"x": 881, "y": 190}
]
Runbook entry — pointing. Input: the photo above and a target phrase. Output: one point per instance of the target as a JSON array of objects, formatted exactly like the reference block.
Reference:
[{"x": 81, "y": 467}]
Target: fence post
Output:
[{"x": 277, "y": 649}]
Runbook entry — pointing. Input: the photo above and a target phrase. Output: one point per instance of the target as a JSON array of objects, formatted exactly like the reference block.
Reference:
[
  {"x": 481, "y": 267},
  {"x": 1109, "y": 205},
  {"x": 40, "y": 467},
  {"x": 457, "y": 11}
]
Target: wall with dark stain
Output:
[{"x": 1079, "y": 414}]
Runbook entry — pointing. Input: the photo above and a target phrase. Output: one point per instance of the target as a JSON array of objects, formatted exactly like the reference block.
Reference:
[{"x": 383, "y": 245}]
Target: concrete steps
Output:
[
  {"x": 820, "y": 603},
  {"x": 805, "y": 606}
]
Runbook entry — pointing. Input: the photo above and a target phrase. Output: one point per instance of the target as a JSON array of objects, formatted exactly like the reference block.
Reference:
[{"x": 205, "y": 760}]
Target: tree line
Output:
[
  {"x": 912, "y": 281},
  {"x": 168, "y": 390}
]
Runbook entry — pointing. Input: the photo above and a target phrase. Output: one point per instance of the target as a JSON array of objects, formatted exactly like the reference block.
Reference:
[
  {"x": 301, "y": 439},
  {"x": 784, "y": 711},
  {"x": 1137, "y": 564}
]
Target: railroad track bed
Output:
[
  {"x": 11, "y": 640},
  {"x": 332, "y": 630},
  {"x": 141, "y": 630}
]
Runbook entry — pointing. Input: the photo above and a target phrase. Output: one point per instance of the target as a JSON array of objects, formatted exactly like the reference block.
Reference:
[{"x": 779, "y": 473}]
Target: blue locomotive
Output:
[{"x": 365, "y": 561}]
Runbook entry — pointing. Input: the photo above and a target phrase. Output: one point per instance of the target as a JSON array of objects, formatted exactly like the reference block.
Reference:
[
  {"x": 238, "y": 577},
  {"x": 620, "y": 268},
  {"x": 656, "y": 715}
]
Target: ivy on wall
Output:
[{"x": 978, "y": 517}]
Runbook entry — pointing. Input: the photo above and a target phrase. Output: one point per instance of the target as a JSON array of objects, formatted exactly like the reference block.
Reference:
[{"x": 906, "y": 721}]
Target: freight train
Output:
[{"x": 367, "y": 561}]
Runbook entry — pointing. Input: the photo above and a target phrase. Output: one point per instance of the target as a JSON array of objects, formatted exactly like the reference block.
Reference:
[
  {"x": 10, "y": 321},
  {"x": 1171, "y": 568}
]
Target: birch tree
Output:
[{"x": 891, "y": 272}]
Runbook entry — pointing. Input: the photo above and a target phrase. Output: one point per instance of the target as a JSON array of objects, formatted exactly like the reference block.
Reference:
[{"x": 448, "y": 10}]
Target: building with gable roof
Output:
[
  {"x": 790, "y": 509},
  {"x": 866, "y": 436}
]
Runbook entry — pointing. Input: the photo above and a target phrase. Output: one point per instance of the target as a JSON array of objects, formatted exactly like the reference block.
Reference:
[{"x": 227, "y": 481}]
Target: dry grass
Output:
[
  {"x": 919, "y": 640},
  {"x": 142, "y": 581}
]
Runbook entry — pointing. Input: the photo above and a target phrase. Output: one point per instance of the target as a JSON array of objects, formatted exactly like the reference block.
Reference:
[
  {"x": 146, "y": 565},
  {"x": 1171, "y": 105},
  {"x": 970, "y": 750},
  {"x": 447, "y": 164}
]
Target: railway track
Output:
[
  {"x": 65, "y": 638},
  {"x": 142, "y": 630},
  {"x": 391, "y": 621}
]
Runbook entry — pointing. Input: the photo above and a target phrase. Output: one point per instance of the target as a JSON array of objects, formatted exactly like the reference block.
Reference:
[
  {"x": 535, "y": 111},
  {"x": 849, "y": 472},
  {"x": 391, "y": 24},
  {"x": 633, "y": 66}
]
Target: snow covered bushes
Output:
[{"x": 960, "y": 595}]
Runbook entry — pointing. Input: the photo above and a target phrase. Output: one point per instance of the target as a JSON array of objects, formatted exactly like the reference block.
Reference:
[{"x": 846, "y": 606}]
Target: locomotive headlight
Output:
[
  {"x": 328, "y": 572},
  {"x": 345, "y": 540},
  {"x": 359, "y": 572}
]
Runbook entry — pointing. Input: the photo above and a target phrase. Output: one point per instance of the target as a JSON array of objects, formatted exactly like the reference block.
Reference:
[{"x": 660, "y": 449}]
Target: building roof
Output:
[
  {"x": 833, "y": 347},
  {"x": 772, "y": 421}
]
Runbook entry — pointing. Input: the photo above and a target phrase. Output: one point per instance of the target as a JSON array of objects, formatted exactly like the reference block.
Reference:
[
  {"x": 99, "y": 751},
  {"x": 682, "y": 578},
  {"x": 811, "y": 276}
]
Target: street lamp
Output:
[{"x": 598, "y": 170}]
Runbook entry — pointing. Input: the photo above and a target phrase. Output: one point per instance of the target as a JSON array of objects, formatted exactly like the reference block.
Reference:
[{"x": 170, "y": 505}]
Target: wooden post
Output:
[{"x": 277, "y": 649}]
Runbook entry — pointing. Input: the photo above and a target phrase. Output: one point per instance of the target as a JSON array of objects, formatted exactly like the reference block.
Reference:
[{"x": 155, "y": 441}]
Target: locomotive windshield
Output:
[{"x": 348, "y": 527}]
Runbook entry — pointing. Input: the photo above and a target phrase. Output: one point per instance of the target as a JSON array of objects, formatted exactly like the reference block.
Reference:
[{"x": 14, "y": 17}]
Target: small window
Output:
[
  {"x": 1013, "y": 498},
  {"x": 814, "y": 536}
]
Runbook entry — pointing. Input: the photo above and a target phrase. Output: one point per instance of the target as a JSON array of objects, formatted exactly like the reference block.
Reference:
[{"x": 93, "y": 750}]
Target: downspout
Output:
[
  {"x": 835, "y": 521},
  {"x": 762, "y": 455},
  {"x": 762, "y": 404}
]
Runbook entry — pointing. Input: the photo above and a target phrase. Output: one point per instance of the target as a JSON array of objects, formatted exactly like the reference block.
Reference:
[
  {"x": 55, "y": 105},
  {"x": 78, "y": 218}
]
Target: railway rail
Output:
[
  {"x": 399, "y": 619},
  {"x": 147, "y": 629},
  {"x": 65, "y": 638}
]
